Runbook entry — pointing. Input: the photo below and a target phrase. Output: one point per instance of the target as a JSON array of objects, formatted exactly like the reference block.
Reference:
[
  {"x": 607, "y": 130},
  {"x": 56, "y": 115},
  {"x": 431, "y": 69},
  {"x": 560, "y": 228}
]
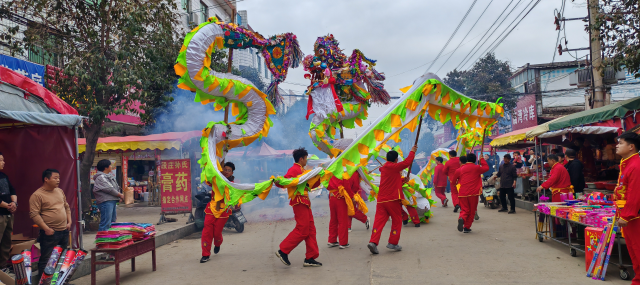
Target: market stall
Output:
[
  {"x": 137, "y": 158},
  {"x": 37, "y": 131}
]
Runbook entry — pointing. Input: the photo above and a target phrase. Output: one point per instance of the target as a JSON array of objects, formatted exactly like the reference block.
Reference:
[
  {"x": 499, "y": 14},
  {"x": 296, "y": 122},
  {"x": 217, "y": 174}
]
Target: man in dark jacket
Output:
[
  {"x": 574, "y": 167},
  {"x": 508, "y": 177}
]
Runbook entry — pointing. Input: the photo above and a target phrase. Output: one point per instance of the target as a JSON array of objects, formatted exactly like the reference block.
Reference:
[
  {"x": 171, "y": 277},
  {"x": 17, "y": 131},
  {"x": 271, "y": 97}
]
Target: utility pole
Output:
[{"x": 595, "y": 45}]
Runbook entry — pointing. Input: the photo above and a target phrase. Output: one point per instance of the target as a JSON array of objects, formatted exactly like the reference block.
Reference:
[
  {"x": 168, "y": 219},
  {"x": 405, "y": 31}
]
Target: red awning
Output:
[{"x": 50, "y": 99}]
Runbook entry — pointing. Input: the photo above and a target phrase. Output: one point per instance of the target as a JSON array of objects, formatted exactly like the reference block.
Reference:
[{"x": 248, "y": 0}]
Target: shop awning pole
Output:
[
  {"x": 535, "y": 146},
  {"x": 80, "y": 221}
]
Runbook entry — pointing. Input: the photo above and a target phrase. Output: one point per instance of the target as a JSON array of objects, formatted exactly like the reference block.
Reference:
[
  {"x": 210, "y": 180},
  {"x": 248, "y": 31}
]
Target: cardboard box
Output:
[{"x": 20, "y": 243}]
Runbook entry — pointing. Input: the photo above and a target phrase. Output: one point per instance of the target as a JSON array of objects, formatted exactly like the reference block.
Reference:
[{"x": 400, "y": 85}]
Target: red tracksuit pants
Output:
[
  {"x": 339, "y": 222},
  {"x": 305, "y": 230},
  {"x": 440, "y": 193},
  {"x": 454, "y": 194},
  {"x": 212, "y": 231},
  {"x": 468, "y": 208},
  {"x": 413, "y": 214},
  {"x": 385, "y": 210},
  {"x": 632, "y": 237},
  {"x": 359, "y": 215}
]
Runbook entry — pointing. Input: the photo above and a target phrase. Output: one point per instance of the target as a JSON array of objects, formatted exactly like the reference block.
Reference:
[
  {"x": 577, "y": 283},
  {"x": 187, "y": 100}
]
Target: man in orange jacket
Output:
[
  {"x": 627, "y": 195},
  {"x": 390, "y": 198},
  {"x": 449, "y": 170},
  {"x": 559, "y": 180},
  {"x": 470, "y": 188},
  {"x": 305, "y": 229}
]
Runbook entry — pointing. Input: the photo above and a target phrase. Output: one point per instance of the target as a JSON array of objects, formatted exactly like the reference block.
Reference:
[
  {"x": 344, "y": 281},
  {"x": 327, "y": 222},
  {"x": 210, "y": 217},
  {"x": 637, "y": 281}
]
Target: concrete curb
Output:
[{"x": 161, "y": 239}]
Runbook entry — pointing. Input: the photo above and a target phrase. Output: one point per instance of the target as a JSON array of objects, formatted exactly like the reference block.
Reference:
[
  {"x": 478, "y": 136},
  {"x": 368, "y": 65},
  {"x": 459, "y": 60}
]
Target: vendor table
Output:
[
  {"x": 124, "y": 254},
  {"x": 574, "y": 247}
]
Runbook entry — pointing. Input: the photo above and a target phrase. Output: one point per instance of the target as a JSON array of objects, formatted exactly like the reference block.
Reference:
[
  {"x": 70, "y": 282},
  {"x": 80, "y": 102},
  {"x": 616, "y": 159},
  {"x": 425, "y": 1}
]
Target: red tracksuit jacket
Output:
[
  {"x": 558, "y": 177},
  {"x": 629, "y": 187},
  {"x": 469, "y": 178},
  {"x": 391, "y": 180},
  {"x": 450, "y": 168},
  {"x": 294, "y": 171},
  {"x": 439, "y": 176}
]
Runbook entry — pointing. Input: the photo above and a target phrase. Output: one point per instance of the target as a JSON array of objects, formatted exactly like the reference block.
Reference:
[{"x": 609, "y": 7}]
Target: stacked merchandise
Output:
[
  {"x": 137, "y": 231},
  {"x": 594, "y": 210},
  {"x": 113, "y": 239}
]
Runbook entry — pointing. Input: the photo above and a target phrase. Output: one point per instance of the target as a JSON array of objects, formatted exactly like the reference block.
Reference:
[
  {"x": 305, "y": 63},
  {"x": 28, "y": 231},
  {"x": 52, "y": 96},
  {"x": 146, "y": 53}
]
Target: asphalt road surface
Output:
[{"x": 501, "y": 250}]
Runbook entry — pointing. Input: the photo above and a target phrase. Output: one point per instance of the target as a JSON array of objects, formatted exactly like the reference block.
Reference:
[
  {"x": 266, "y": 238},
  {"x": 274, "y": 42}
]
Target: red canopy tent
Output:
[{"x": 38, "y": 130}]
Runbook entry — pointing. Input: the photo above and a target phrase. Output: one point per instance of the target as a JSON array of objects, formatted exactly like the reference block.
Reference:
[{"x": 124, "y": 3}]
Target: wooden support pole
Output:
[{"x": 415, "y": 143}]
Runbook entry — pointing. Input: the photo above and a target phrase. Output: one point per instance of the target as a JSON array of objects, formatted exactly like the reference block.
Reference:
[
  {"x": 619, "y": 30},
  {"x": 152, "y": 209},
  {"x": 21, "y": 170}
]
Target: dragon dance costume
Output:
[{"x": 627, "y": 195}]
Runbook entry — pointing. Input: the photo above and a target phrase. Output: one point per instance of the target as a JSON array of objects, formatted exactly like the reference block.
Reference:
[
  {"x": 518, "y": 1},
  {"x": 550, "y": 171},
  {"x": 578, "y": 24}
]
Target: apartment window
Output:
[
  {"x": 39, "y": 56},
  {"x": 186, "y": 5},
  {"x": 204, "y": 11}
]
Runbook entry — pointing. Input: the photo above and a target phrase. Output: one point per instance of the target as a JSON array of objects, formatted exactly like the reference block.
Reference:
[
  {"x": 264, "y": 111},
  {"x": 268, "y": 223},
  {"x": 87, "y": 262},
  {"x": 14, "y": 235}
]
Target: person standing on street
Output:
[
  {"x": 216, "y": 216},
  {"x": 440, "y": 181},
  {"x": 8, "y": 206},
  {"x": 508, "y": 177},
  {"x": 575, "y": 168},
  {"x": 559, "y": 181},
  {"x": 107, "y": 194},
  {"x": 48, "y": 208},
  {"x": 389, "y": 198},
  {"x": 470, "y": 188},
  {"x": 449, "y": 169},
  {"x": 627, "y": 196},
  {"x": 305, "y": 229}
]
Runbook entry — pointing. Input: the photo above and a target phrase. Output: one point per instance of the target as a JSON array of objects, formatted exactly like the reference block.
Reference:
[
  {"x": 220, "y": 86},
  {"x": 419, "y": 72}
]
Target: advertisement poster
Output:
[
  {"x": 525, "y": 114},
  {"x": 29, "y": 69},
  {"x": 175, "y": 188}
]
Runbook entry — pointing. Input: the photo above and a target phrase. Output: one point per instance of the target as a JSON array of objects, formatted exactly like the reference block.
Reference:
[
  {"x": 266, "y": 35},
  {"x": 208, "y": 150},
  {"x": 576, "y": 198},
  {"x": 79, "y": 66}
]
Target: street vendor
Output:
[
  {"x": 216, "y": 216},
  {"x": 627, "y": 195},
  {"x": 559, "y": 181},
  {"x": 305, "y": 229}
]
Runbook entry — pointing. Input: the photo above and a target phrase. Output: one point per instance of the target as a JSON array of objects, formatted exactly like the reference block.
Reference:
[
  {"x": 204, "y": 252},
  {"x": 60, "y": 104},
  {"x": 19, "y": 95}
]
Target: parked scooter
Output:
[
  {"x": 236, "y": 218},
  {"x": 490, "y": 197}
]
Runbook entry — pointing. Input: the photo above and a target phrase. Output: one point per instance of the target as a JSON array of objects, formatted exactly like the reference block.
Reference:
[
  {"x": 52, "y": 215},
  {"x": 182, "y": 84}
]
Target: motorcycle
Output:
[
  {"x": 236, "y": 218},
  {"x": 490, "y": 197}
]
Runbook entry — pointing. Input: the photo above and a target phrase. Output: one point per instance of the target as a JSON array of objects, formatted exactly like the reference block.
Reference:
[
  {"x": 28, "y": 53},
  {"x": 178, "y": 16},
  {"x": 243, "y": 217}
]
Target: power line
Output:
[
  {"x": 453, "y": 34},
  {"x": 485, "y": 33},
  {"x": 515, "y": 26},
  {"x": 490, "y": 35},
  {"x": 465, "y": 36}
]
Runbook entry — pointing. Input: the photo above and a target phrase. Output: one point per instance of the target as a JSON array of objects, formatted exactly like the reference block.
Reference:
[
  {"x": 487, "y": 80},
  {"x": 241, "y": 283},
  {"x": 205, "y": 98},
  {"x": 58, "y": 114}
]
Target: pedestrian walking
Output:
[{"x": 508, "y": 177}]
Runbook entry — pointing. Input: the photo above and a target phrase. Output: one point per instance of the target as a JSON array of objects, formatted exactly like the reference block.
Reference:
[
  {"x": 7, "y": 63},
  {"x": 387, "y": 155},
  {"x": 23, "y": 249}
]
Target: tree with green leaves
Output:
[
  {"x": 618, "y": 24},
  {"x": 111, "y": 53},
  {"x": 487, "y": 80}
]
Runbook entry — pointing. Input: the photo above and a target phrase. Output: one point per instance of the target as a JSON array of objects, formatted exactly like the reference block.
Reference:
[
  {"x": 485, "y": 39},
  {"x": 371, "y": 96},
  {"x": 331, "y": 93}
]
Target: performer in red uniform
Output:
[
  {"x": 440, "y": 181},
  {"x": 559, "y": 181},
  {"x": 339, "y": 221},
  {"x": 413, "y": 214},
  {"x": 360, "y": 209},
  {"x": 216, "y": 215},
  {"x": 470, "y": 188},
  {"x": 305, "y": 229},
  {"x": 627, "y": 195},
  {"x": 450, "y": 169},
  {"x": 390, "y": 200}
]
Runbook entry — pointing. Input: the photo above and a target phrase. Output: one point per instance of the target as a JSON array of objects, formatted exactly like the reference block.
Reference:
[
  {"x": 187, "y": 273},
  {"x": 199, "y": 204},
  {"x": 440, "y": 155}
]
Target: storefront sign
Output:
[
  {"x": 125, "y": 171},
  {"x": 525, "y": 114},
  {"x": 175, "y": 189},
  {"x": 34, "y": 71}
]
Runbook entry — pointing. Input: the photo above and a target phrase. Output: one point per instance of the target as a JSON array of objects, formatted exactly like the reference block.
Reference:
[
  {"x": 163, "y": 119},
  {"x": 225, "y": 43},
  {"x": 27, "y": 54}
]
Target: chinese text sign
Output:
[{"x": 175, "y": 185}]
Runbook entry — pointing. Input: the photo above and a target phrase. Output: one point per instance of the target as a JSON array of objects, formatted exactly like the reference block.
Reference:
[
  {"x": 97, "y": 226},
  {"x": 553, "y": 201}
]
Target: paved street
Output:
[{"x": 501, "y": 250}]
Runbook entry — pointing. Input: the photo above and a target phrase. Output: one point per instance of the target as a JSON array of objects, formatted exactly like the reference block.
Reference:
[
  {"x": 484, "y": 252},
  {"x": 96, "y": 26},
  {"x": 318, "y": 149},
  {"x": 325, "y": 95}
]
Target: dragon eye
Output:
[{"x": 321, "y": 52}]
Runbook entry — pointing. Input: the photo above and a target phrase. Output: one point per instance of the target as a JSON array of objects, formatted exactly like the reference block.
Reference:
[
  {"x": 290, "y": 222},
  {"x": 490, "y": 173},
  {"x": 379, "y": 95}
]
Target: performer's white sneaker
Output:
[
  {"x": 349, "y": 229},
  {"x": 333, "y": 244},
  {"x": 344, "y": 246},
  {"x": 367, "y": 223}
]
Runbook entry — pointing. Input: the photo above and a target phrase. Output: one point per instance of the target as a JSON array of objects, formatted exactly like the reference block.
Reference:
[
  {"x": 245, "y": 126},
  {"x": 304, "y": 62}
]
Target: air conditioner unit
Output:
[{"x": 582, "y": 77}]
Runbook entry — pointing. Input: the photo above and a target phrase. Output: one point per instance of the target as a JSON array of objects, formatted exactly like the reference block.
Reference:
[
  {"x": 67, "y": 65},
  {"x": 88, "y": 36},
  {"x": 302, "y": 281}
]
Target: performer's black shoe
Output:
[
  {"x": 456, "y": 208},
  {"x": 466, "y": 231},
  {"x": 405, "y": 222},
  {"x": 512, "y": 212},
  {"x": 333, "y": 244},
  {"x": 373, "y": 248},
  {"x": 503, "y": 210},
  {"x": 216, "y": 249},
  {"x": 394, "y": 247},
  {"x": 445, "y": 202},
  {"x": 311, "y": 263},
  {"x": 283, "y": 257},
  {"x": 344, "y": 246},
  {"x": 477, "y": 217},
  {"x": 460, "y": 224},
  {"x": 204, "y": 259},
  {"x": 367, "y": 223},
  {"x": 417, "y": 225}
]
